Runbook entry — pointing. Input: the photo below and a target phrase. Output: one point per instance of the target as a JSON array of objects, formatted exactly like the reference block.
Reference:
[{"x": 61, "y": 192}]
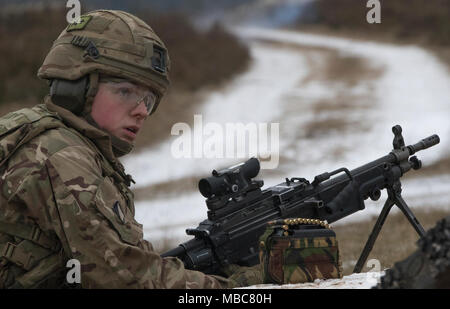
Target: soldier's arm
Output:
[{"x": 88, "y": 214}]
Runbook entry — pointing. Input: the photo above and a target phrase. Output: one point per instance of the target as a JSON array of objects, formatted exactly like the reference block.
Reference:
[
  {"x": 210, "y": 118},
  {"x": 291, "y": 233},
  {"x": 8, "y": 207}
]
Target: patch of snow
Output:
[
  {"x": 250, "y": 98},
  {"x": 353, "y": 281}
]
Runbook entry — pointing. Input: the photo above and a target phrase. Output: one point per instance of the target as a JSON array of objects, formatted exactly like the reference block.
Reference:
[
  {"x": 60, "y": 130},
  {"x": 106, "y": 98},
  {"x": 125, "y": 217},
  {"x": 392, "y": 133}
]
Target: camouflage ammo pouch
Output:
[{"x": 299, "y": 250}]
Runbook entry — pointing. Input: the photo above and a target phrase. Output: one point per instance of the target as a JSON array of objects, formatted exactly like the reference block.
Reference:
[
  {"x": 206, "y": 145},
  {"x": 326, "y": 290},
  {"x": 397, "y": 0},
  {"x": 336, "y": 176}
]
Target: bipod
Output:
[{"x": 394, "y": 198}]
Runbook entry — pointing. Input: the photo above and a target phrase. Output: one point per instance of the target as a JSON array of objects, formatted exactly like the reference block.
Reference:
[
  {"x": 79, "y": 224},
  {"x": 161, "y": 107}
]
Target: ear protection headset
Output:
[
  {"x": 74, "y": 95},
  {"x": 70, "y": 94}
]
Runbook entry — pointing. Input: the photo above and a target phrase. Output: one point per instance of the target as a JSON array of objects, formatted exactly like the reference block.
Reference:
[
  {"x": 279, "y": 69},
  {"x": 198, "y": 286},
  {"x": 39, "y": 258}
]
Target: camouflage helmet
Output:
[{"x": 113, "y": 43}]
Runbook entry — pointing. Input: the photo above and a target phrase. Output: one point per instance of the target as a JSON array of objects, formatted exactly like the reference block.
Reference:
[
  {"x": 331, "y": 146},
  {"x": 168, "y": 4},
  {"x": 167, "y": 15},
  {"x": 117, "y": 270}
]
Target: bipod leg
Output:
[
  {"x": 393, "y": 199},
  {"x": 374, "y": 234},
  {"x": 409, "y": 215}
]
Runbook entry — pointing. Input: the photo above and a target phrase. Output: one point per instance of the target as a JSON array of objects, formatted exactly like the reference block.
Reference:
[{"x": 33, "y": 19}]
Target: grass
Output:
[
  {"x": 441, "y": 166},
  {"x": 403, "y": 20},
  {"x": 341, "y": 72},
  {"x": 396, "y": 241},
  {"x": 421, "y": 22}
]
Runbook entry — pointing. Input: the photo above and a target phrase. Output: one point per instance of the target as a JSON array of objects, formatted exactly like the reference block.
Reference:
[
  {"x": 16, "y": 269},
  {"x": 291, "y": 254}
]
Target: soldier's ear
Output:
[{"x": 70, "y": 94}]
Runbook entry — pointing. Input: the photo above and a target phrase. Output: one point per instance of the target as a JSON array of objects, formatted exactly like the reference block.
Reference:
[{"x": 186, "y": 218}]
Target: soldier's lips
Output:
[{"x": 131, "y": 132}]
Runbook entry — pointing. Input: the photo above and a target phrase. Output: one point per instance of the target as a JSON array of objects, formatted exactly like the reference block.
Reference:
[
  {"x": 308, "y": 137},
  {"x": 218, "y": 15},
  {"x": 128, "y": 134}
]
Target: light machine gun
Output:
[{"x": 238, "y": 210}]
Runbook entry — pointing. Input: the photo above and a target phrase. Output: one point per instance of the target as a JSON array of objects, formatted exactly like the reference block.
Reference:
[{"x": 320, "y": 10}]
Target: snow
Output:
[
  {"x": 250, "y": 98},
  {"x": 353, "y": 281},
  {"x": 413, "y": 91}
]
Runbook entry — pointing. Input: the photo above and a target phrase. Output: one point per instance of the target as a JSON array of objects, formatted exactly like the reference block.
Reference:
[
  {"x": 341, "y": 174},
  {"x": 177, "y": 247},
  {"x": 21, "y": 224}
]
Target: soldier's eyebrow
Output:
[
  {"x": 120, "y": 81},
  {"x": 122, "y": 84},
  {"x": 125, "y": 84},
  {"x": 136, "y": 86}
]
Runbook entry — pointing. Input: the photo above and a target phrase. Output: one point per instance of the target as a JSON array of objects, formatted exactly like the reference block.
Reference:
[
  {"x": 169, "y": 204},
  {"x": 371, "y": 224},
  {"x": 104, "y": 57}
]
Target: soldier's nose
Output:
[{"x": 140, "y": 110}]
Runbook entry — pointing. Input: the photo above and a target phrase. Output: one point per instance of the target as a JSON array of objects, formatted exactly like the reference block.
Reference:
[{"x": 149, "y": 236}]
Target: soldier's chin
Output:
[{"x": 128, "y": 139}]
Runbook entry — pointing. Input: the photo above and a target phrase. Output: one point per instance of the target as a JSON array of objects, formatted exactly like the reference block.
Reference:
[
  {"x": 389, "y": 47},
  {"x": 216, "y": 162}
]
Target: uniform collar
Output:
[{"x": 110, "y": 146}]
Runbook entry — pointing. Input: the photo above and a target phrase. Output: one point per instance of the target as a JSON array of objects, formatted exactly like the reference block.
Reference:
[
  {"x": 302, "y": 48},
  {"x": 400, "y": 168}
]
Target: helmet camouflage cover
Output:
[{"x": 112, "y": 43}]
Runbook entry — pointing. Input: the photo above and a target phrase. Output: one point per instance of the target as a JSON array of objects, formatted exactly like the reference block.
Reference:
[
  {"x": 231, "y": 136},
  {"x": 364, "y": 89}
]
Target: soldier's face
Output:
[{"x": 115, "y": 109}]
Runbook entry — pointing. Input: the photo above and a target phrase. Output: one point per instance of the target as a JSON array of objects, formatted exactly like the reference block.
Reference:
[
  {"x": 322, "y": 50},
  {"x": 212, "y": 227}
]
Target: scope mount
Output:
[{"x": 217, "y": 202}]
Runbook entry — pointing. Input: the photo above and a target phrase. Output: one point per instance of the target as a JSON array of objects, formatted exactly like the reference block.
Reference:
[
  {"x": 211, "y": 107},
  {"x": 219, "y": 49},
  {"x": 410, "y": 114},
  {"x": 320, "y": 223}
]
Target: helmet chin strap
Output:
[{"x": 90, "y": 93}]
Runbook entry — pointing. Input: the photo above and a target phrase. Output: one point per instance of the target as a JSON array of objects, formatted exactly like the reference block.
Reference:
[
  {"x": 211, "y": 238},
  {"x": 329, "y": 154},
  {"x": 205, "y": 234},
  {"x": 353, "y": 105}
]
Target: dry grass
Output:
[
  {"x": 443, "y": 53},
  {"x": 24, "y": 41},
  {"x": 405, "y": 20},
  {"x": 337, "y": 68},
  {"x": 16, "y": 105},
  {"x": 341, "y": 72},
  {"x": 440, "y": 167},
  {"x": 198, "y": 58},
  {"x": 332, "y": 67},
  {"x": 324, "y": 127},
  {"x": 349, "y": 69},
  {"x": 339, "y": 103},
  {"x": 396, "y": 241},
  {"x": 422, "y": 22}
]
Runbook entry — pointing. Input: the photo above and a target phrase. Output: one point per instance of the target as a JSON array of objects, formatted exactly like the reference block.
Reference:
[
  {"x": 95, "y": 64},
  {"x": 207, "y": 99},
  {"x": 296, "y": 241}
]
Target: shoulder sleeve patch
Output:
[{"x": 84, "y": 20}]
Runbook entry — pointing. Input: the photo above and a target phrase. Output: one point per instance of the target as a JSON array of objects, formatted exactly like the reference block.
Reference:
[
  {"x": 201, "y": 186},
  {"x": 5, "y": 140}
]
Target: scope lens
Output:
[
  {"x": 251, "y": 168},
  {"x": 204, "y": 187}
]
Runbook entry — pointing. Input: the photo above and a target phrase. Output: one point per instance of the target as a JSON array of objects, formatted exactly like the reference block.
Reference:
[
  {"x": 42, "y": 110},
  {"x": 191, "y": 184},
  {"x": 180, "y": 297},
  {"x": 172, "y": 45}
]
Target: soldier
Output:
[{"x": 64, "y": 194}]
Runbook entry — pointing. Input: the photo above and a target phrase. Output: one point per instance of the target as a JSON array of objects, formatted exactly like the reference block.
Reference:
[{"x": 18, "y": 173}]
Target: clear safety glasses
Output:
[{"x": 131, "y": 95}]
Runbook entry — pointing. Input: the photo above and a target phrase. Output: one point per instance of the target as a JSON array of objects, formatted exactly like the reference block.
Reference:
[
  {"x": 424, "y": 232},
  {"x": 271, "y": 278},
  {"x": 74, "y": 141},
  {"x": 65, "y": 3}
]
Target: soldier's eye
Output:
[{"x": 124, "y": 91}]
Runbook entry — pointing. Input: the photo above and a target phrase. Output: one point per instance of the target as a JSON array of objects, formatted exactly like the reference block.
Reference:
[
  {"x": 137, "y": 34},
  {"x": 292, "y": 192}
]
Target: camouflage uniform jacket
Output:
[{"x": 67, "y": 184}]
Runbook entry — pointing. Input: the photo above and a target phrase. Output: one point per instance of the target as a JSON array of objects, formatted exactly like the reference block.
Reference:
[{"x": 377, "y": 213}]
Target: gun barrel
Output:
[
  {"x": 176, "y": 252},
  {"x": 424, "y": 144}
]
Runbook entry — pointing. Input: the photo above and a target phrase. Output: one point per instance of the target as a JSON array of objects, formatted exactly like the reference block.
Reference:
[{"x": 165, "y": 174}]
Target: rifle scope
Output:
[{"x": 230, "y": 180}]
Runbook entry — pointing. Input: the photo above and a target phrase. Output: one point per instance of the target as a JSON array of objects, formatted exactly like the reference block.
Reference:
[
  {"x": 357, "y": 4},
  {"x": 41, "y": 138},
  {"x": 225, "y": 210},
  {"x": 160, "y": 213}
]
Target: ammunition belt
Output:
[{"x": 292, "y": 223}]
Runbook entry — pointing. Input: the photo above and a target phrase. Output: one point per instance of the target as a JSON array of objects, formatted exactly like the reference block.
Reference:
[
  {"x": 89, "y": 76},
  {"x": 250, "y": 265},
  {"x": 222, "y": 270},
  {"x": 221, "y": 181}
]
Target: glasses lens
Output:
[
  {"x": 131, "y": 96},
  {"x": 149, "y": 100}
]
